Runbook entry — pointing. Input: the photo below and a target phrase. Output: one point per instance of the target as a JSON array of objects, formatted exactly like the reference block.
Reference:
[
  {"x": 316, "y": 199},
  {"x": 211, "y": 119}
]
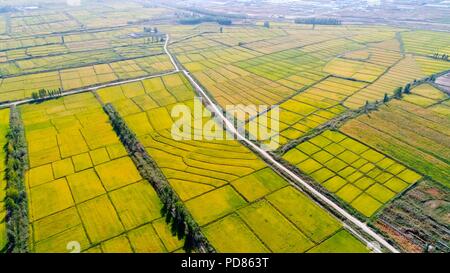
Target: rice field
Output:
[
  {"x": 414, "y": 130},
  {"x": 426, "y": 96},
  {"x": 232, "y": 36},
  {"x": 295, "y": 38},
  {"x": 292, "y": 68},
  {"x": 4, "y": 127},
  {"x": 267, "y": 79},
  {"x": 41, "y": 23},
  {"x": 431, "y": 66},
  {"x": 74, "y": 60},
  {"x": 352, "y": 171},
  {"x": 250, "y": 208},
  {"x": 426, "y": 42},
  {"x": 310, "y": 109},
  {"x": 403, "y": 72},
  {"x": 83, "y": 187},
  {"x": 73, "y": 54},
  {"x": 97, "y": 16},
  {"x": 312, "y": 76},
  {"x": 12, "y": 44},
  {"x": 16, "y": 88},
  {"x": 359, "y": 70}
]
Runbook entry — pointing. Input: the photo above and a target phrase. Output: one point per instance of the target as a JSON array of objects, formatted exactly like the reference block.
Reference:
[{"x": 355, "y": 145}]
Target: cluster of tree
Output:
[
  {"x": 398, "y": 93},
  {"x": 181, "y": 221},
  {"x": 16, "y": 199},
  {"x": 266, "y": 24},
  {"x": 203, "y": 19},
  {"x": 149, "y": 30},
  {"x": 318, "y": 21},
  {"x": 154, "y": 39},
  {"x": 224, "y": 21},
  {"x": 43, "y": 94},
  {"x": 431, "y": 78},
  {"x": 440, "y": 56}
]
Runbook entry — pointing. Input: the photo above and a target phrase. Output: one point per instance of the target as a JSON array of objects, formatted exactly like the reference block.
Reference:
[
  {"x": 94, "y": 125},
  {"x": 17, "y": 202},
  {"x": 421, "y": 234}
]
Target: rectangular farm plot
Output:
[
  {"x": 268, "y": 224},
  {"x": 100, "y": 219},
  {"x": 413, "y": 134},
  {"x": 259, "y": 184},
  {"x": 310, "y": 108},
  {"x": 68, "y": 79},
  {"x": 218, "y": 203},
  {"x": 218, "y": 234},
  {"x": 313, "y": 221},
  {"x": 354, "y": 172},
  {"x": 403, "y": 72},
  {"x": 227, "y": 189},
  {"x": 154, "y": 96},
  {"x": 89, "y": 190},
  {"x": 341, "y": 242},
  {"x": 357, "y": 70}
]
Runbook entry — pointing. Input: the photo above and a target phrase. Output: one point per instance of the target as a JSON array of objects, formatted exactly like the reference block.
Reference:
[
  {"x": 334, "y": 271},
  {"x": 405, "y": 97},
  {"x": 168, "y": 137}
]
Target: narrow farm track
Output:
[{"x": 230, "y": 127}]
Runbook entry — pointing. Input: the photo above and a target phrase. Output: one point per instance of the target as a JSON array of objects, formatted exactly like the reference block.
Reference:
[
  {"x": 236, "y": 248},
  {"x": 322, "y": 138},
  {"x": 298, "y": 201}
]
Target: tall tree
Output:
[
  {"x": 398, "y": 93},
  {"x": 407, "y": 89}
]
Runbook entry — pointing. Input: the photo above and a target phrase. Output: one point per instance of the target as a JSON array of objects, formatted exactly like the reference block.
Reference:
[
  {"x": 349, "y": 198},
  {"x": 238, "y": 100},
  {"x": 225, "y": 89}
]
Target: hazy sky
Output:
[{"x": 73, "y": 2}]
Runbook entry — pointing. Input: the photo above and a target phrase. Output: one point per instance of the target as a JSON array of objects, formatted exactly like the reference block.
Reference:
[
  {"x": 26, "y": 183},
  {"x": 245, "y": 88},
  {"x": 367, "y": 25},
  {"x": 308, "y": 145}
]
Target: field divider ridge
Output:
[
  {"x": 294, "y": 180},
  {"x": 182, "y": 222}
]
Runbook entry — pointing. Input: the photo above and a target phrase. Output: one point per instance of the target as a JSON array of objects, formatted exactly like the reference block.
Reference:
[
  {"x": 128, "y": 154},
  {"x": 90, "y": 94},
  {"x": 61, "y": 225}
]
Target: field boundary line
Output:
[
  {"x": 58, "y": 70},
  {"x": 88, "y": 89},
  {"x": 105, "y": 85},
  {"x": 277, "y": 165},
  {"x": 291, "y": 175}
]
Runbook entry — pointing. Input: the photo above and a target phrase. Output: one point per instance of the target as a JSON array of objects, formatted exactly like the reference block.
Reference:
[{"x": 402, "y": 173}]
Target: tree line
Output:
[
  {"x": 16, "y": 198},
  {"x": 318, "y": 21},
  {"x": 399, "y": 92},
  {"x": 440, "y": 56},
  {"x": 204, "y": 19},
  {"x": 46, "y": 94},
  {"x": 176, "y": 214},
  {"x": 216, "y": 14}
]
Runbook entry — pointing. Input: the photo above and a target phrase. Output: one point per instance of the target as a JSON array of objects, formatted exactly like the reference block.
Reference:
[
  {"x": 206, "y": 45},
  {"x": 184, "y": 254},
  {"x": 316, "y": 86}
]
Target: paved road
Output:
[
  {"x": 279, "y": 166},
  {"x": 233, "y": 130}
]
